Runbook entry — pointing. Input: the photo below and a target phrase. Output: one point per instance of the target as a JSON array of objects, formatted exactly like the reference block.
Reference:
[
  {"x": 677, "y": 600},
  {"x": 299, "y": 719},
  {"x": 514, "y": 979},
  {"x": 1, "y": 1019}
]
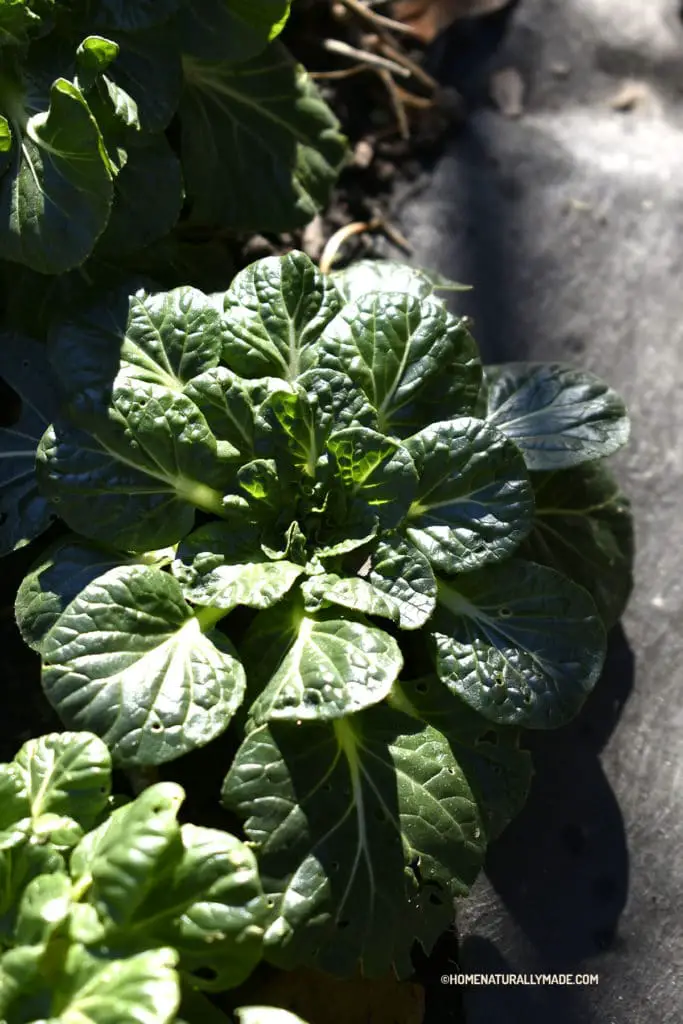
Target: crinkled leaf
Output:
[
  {"x": 135, "y": 482},
  {"x": 474, "y": 502},
  {"x": 62, "y": 571},
  {"x": 374, "y": 473},
  {"x": 24, "y": 512},
  {"x": 296, "y": 434},
  {"x": 399, "y": 585},
  {"x": 164, "y": 339},
  {"x": 583, "y": 527},
  {"x": 231, "y": 29},
  {"x": 148, "y": 198},
  {"x": 337, "y": 399},
  {"x": 20, "y": 864},
  {"x": 275, "y": 311},
  {"x": 520, "y": 643},
  {"x": 260, "y": 148},
  {"x": 66, "y": 776},
  {"x": 404, "y": 352},
  {"x": 315, "y": 668},
  {"x": 222, "y": 567},
  {"x": 227, "y": 403},
  {"x": 351, "y": 809},
  {"x": 56, "y": 200},
  {"x": 498, "y": 771},
  {"x": 128, "y": 661},
  {"x": 14, "y": 806},
  {"x": 558, "y": 416},
  {"x": 403, "y": 574}
]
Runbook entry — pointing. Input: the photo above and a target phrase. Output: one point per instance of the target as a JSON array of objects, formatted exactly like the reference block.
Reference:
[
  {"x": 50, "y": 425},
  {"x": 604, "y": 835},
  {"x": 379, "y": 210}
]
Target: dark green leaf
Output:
[
  {"x": 128, "y": 661},
  {"x": 352, "y": 806},
  {"x": 221, "y": 567},
  {"x": 403, "y": 574},
  {"x": 55, "y": 202},
  {"x": 132, "y": 15},
  {"x": 474, "y": 502},
  {"x": 148, "y": 69},
  {"x": 583, "y": 528},
  {"x": 24, "y": 512},
  {"x": 497, "y": 770},
  {"x": 405, "y": 353},
  {"x": 375, "y": 473},
  {"x": 315, "y": 668},
  {"x": 275, "y": 311},
  {"x": 148, "y": 198},
  {"x": 164, "y": 339},
  {"x": 228, "y": 405},
  {"x": 231, "y": 29},
  {"x": 558, "y": 416},
  {"x": 17, "y": 22},
  {"x": 260, "y": 149},
  {"x": 62, "y": 571},
  {"x": 519, "y": 643}
]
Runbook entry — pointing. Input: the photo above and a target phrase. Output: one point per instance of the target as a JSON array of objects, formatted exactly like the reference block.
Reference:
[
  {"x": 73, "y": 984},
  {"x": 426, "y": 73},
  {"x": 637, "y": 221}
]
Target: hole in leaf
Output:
[
  {"x": 270, "y": 902},
  {"x": 505, "y": 612},
  {"x": 156, "y": 727},
  {"x": 422, "y": 687}
]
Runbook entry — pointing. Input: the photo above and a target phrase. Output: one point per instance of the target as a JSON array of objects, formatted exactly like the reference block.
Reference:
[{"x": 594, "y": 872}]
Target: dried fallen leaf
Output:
[
  {"x": 429, "y": 17},
  {"x": 507, "y": 91}
]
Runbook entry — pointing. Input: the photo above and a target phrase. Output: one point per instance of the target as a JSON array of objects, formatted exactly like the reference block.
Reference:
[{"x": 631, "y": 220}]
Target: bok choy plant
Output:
[{"x": 302, "y": 507}]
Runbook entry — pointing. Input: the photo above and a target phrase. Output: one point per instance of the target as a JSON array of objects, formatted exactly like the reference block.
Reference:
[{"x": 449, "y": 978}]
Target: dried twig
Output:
[
  {"x": 379, "y": 21},
  {"x": 366, "y": 57},
  {"x": 396, "y": 102},
  {"x": 334, "y": 244}
]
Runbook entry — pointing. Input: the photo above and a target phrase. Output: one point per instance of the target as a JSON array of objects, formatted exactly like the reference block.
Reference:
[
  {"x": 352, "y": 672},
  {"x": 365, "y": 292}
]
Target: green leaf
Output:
[
  {"x": 128, "y": 661},
  {"x": 404, "y": 353},
  {"x": 227, "y": 403},
  {"x": 67, "y": 776},
  {"x": 63, "y": 570},
  {"x": 137, "y": 478},
  {"x": 520, "y": 643},
  {"x": 24, "y": 512},
  {"x": 275, "y": 311},
  {"x": 474, "y": 502},
  {"x": 583, "y": 528},
  {"x": 220, "y": 567},
  {"x": 20, "y": 864},
  {"x": 403, "y": 574},
  {"x": 336, "y": 399},
  {"x": 143, "y": 988},
  {"x": 260, "y": 148},
  {"x": 314, "y": 669},
  {"x": 17, "y": 21},
  {"x": 375, "y": 473},
  {"x": 400, "y": 586},
  {"x": 149, "y": 71},
  {"x": 231, "y": 29},
  {"x": 498, "y": 771},
  {"x": 166, "y": 339},
  {"x": 15, "y": 808},
  {"x": 132, "y": 15},
  {"x": 45, "y": 906},
  {"x": 350, "y": 810},
  {"x": 296, "y": 430},
  {"x": 56, "y": 201},
  {"x": 148, "y": 198},
  {"x": 94, "y": 56},
  {"x": 558, "y": 416},
  {"x": 368, "y": 277}
]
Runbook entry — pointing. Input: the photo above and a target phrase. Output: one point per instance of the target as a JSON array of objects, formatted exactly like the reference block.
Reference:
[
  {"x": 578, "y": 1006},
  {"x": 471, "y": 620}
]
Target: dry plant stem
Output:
[
  {"x": 379, "y": 21},
  {"x": 342, "y": 72},
  {"x": 414, "y": 69},
  {"x": 365, "y": 57},
  {"x": 396, "y": 102},
  {"x": 334, "y": 244}
]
